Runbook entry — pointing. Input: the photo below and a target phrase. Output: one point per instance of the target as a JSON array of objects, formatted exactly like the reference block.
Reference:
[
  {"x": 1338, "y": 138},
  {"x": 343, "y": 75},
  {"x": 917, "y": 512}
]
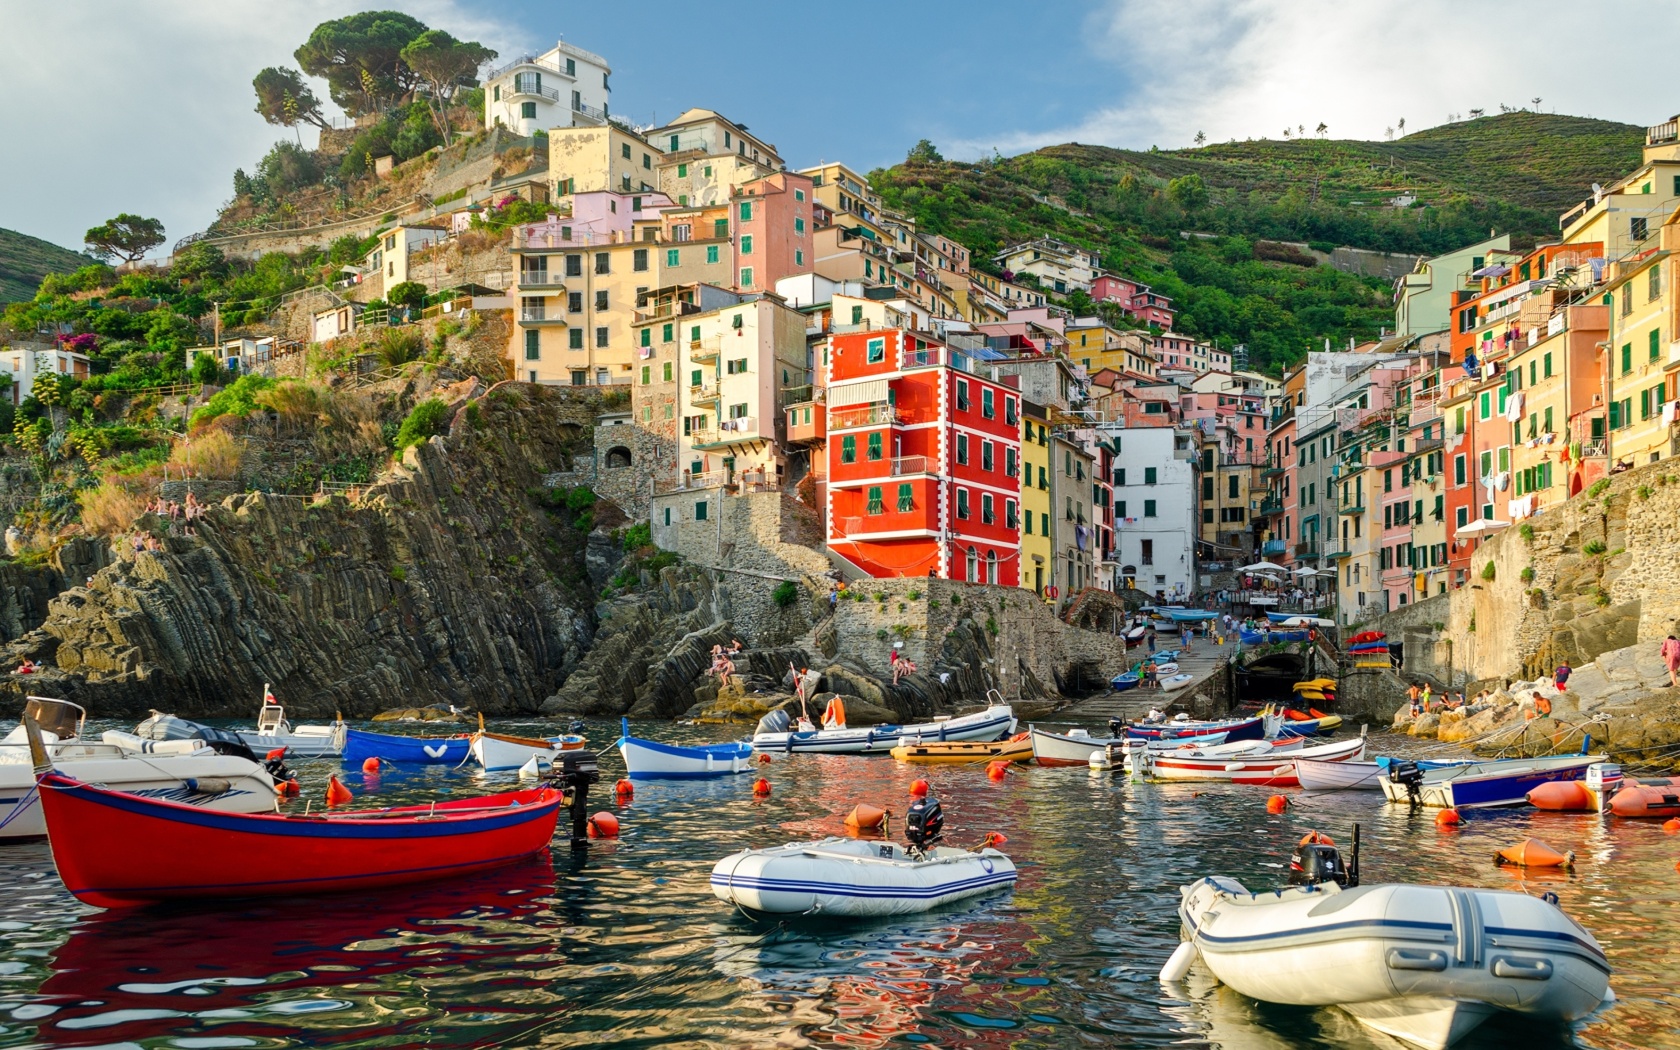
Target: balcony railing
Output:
[
  {"x": 933, "y": 357},
  {"x": 590, "y": 111},
  {"x": 687, "y": 480},
  {"x": 702, "y": 350},
  {"x": 531, "y": 84},
  {"x": 661, "y": 311},
  {"x": 877, "y": 414},
  {"x": 538, "y": 315},
  {"x": 727, "y": 431},
  {"x": 699, "y": 392},
  {"x": 1274, "y": 547},
  {"x": 1269, "y": 506},
  {"x": 540, "y": 279},
  {"x": 902, "y": 465},
  {"x": 1306, "y": 549}
]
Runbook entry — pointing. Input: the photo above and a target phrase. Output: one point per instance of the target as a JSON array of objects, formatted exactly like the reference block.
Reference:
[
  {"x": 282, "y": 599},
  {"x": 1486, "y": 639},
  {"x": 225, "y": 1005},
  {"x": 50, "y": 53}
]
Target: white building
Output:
[
  {"x": 561, "y": 88},
  {"x": 1154, "y": 508},
  {"x": 1060, "y": 267},
  {"x": 23, "y": 365},
  {"x": 732, "y": 368}
]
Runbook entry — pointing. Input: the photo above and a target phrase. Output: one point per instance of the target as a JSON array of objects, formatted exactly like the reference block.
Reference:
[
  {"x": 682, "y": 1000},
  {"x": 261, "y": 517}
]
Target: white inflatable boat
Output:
[
  {"x": 1426, "y": 964},
  {"x": 775, "y": 733},
  {"x": 854, "y": 877},
  {"x": 274, "y": 730}
]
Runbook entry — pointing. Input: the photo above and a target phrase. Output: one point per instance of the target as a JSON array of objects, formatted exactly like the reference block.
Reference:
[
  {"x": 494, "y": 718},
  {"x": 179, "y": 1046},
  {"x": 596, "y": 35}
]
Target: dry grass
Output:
[
  {"x": 299, "y": 405},
  {"x": 211, "y": 453},
  {"x": 112, "y": 508}
]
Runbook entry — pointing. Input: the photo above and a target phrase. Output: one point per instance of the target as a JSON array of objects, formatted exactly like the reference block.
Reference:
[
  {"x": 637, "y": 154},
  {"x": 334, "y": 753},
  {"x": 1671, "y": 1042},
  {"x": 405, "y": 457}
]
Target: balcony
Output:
[
  {"x": 541, "y": 279},
  {"x": 707, "y": 480},
  {"x": 702, "y": 393},
  {"x": 597, "y": 115},
  {"x": 728, "y": 432},
  {"x": 531, "y": 84},
  {"x": 702, "y": 351},
  {"x": 935, "y": 357},
  {"x": 877, "y": 414},
  {"x": 665, "y": 311},
  {"x": 1271, "y": 547},
  {"x": 1353, "y": 506},
  {"x": 1306, "y": 549},
  {"x": 903, "y": 465},
  {"x": 1269, "y": 506},
  {"x": 538, "y": 315}
]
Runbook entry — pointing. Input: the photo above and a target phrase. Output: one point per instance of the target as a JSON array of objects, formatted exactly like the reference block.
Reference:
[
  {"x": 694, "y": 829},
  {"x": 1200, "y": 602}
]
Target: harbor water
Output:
[{"x": 622, "y": 944}]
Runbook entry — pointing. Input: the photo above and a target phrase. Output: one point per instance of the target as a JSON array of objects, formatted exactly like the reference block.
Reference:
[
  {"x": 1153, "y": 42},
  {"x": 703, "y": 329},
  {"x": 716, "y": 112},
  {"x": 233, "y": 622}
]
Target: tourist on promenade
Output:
[
  {"x": 1671, "y": 659},
  {"x": 1151, "y": 637},
  {"x": 1561, "y": 676}
]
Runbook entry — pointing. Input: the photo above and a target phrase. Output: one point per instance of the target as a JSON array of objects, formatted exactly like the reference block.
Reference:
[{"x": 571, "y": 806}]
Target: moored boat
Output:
[
  {"x": 652, "y": 760},
  {"x": 1270, "y": 766},
  {"x": 360, "y": 745},
  {"x": 1502, "y": 782},
  {"x": 306, "y": 741},
  {"x": 775, "y": 733},
  {"x": 1174, "y": 682},
  {"x": 1320, "y": 775},
  {"x": 1252, "y": 728},
  {"x": 1017, "y": 748},
  {"x": 499, "y": 751}
]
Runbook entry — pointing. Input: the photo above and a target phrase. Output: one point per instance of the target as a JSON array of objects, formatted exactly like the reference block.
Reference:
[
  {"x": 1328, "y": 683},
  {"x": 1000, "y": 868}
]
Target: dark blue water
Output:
[{"x": 624, "y": 945}]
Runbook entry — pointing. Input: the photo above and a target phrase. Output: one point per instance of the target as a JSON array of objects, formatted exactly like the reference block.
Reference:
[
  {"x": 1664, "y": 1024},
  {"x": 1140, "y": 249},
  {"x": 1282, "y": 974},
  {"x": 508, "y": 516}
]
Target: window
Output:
[
  {"x": 875, "y": 350},
  {"x": 700, "y": 506},
  {"x": 1458, "y": 461},
  {"x": 746, "y": 211},
  {"x": 1627, "y": 358},
  {"x": 673, "y": 256},
  {"x": 736, "y": 366},
  {"x": 528, "y": 110},
  {"x": 1207, "y": 489},
  {"x": 574, "y": 266},
  {"x": 1026, "y": 525},
  {"x": 574, "y": 302},
  {"x": 875, "y": 444},
  {"x": 647, "y": 162},
  {"x": 987, "y": 517},
  {"x": 799, "y": 226},
  {"x": 1120, "y": 478},
  {"x": 962, "y": 395},
  {"x": 986, "y": 455},
  {"x": 1009, "y": 411},
  {"x": 682, "y": 169},
  {"x": 711, "y": 253},
  {"x": 962, "y": 503},
  {"x": 603, "y": 262},
  {"x": 987, "y": 408},
  {"x": 1638, "y": 229},
  {"x": 1042, "y": 483},
  {"x": 533, "y": 346},
  {"x": 625, "y": 148},
  {"x": 639, "y": 260},
  {"x": 962, "y": 449},
  {"x": 667, "y": 332},
  {"x": 848, "y": 449},
  {"x": 574, "y": 339},
  {"x": 1119, "y": 508},
  {"x": 600, "y": 300},
  {"x": 906, "y": 497},
  {"x": 799, "y": 195},
  {"x": 746, "y": 244},
  {"x": 1009, "y": 514},
  {"x": 798, "y": 257},
  {"x": 1009, "y": 462},
  {"x": 647, "y": 372},
  {"x": 746, "y": 277},
  {"x": 1149, "y": 508},
  {"x": 601, "y": 337},
  {"x": 720, "y": 227},
  {"x": 1463, "y": 516},
  {"x": 876, "y": 505},
  {"x": 670, "y": 371},
  {"x": 1149, "y": 476}
]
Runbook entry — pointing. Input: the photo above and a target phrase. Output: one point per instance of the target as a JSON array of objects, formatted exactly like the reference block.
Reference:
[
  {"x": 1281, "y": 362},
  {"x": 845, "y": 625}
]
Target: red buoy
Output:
[
  {"x": 918, "y": 789},
  {"x": 1671, "y": 825},
  {"x": 625, "y": 790},
  {"x": 1447, "y": 818},
  {"x": 1277, "y": 804},
  {"x": 287, "y": 788},
  {"x": 371, "y": 765},
  {"x": 761, "y": 786},
  {"x": 603, "y": 825},
  {"x": 996, "y": 770},
  {"x": 337, "y": 794},
  {"x": 763, "y": 759}
]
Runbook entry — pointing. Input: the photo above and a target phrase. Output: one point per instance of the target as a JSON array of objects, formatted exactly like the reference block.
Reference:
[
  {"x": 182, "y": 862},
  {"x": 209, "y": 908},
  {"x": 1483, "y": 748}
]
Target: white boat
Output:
[
  {"x": 651, "y": 760},
  {"x": 1215, "y": 764},
  {"x": 1426, "y": 964},
  {"x": 187, "y": 771},
  {"x": 1472, "y": 785},
  {"x": 1320, "y": 775},
  {"x": 774, "y": 733},
  {"x": 1174, "y": 682},
  {"x": 854, "y": 877},
  {"x": 274, "y": 731}
]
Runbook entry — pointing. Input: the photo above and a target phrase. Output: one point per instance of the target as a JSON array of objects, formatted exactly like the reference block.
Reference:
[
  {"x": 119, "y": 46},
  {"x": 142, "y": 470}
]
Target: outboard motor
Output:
[
  {"x": 274, "y": 764},
  {"x": 776, "y": 721},
  {"x": 1315, "y": 863},
  {"x": 1116, "y": 727},
  {"x": 1411, "y": 775},
  {"x": 924, "y": 823},
  {"x": 573, "y": 771}
]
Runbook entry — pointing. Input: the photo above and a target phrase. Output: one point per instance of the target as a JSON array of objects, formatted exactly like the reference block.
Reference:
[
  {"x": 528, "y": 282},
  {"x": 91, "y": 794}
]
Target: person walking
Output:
[
  {"x": 1671, "y": 659},
  {"x": 1561, "y": 676},
  {"x": 1152, "y": 638}
]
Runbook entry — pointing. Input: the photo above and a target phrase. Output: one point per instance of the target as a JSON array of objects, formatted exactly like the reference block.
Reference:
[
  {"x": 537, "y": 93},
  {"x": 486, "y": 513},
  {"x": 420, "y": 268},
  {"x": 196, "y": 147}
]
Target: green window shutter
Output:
[
  {"x": 720, "y": 227},
  {"x": 672, "y": 255},
  {"x": 848, "y": 449},
  {"x": 711, "y": 253},
  {"x": 875, "y": 445},
  {"x": 666, "y": 333},
  {"x": 647, "y": 374},
  {"x": 876, "y": 505},
  {"x": 746, "y": 211},
  {"x": 746, "y": 244},
  {"x": 1615, "y": 414},
  {"x": 694, "y": 333},
  {"x": 1644, "y": 404},
  {"x": 1654, "y": 350},
  {"x": 669, "y": 366},
  {"x": 647, "y": 337},
  {"x": 906, "y": 499},
  {"x": 1627, "y": 357},
  {"x": 694, "y": 377},
  {"x": 682, "y": 171}
]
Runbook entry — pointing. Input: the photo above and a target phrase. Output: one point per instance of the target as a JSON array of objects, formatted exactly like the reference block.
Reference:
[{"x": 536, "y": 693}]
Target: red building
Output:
[{"x": 923, "y": 460}]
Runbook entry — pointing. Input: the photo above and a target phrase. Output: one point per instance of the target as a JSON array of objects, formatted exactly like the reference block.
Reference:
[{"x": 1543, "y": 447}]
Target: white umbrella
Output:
[
  {"x": 1482, "y": 525},
  {"x": 1306, "y": 571},
  {"x": 1266, "y": 566}
]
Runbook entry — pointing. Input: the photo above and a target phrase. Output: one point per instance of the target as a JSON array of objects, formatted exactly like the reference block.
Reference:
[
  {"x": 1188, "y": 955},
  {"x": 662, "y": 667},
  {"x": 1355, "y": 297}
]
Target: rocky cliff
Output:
[{"x": 444, "y": 582}]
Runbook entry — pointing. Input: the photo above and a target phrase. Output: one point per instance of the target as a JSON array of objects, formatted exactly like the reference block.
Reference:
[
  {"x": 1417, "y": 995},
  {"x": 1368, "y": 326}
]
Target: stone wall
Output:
[{"x": 625, "y": 460}]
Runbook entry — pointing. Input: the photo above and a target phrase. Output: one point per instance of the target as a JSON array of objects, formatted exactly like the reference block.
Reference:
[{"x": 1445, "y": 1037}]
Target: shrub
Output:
[
  {"x": 1643, "y": 491},
  {"x": 209, "y": 454},
  {"x": 1527, "y": 575},
  {"x": 914, "y": 596},
  {"x": 881, "y": 634},
  {"x": 638, "y": 536},
  {"x": 408, "y": 293},
  {"x": 1488, "y": 571},
  {"x": 785, "y": 594},
  {"x": 398, "y": 346},
  {"x": 1601, "y": 598},
  {"x": 112, "y": 507},
  {"x": 206, "y": 369},
  {"x": 426, "y": 419},
  {"x": 1593, "y": 547},
  {"x": 992, "y": 626},
  {"x": 580, "y": 498},
  {"x": 399, "y": 573},
  {"x": 1526, "y": 531},
  {"x": 238, "y": 399},
  {"x": 1597, "y": 487}
]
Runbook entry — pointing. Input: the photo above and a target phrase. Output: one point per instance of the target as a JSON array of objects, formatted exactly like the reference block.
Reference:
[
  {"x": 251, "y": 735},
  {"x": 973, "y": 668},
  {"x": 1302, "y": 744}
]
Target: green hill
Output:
[
  {"x": 24, "y": 260},
  {"x": 1513, "y": 172}
]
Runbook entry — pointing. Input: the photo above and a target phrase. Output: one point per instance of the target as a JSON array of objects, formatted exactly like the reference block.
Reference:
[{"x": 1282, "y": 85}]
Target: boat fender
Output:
[
  {"x": 918, "y": 789},
  {"x": 371, "y": 765},
  {"x": 275, "y": 755},
  {"x": 1178, "y": 964},
  {"x": 865, "y": 817},
  {"x": 1447, "y": 818},
  {"x": 1277, "y": 804},
  {"x": 1671, "y": 825},
  {"x": 1532, "y": 853},
  {"x": 208, "y": 785},
  {"x": 761, "y": 787},
  {"x": 993, "y": 838},
  {"x": 603, "y": 825},
  {"x": 625, "y": 791},
  {"x": 288, "y": 788},
  {"x": 996, "y": 770},
  {"x": 337, "y": 794}
]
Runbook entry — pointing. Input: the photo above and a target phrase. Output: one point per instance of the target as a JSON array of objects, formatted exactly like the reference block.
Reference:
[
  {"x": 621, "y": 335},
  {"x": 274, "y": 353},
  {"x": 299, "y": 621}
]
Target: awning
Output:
[
  {"x": 867, "y": 392},
  {"x": 1262, "y": 566},
  {"x": 1482, "y": 526}
]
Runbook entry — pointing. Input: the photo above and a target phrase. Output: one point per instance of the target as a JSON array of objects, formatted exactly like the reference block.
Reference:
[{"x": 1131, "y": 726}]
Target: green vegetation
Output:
[
  {"x": 1593, "y": 548},
  {"x": 1526, "y": 531},
  {"x": 1488, "y": 571},
  {"x": 1514, "y": 172},
  {"x": 426, "y": 419},
  {"x": 237, "y": 400},
  {"x": 637, "y": 536},
  {"x": 25, "y": 260},
  {"x": 126, "y": 237},
  {"x": 1597, "y": 488},
  {"x": 1527, "y": 575},
  {"x": 785, "y": 594}
]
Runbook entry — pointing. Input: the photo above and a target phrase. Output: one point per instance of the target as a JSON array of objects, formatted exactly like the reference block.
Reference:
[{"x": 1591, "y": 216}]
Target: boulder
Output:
[
  {"x": 431, "y": 713},
  {"x": 1425, "y": 725}
]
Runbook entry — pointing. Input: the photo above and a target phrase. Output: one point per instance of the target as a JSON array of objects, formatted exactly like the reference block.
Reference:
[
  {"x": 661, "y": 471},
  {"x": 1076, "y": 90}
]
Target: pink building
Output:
[
  {"x": 600, "y": 214},
  {"x": 1135, "y": 298},
  {"x": 773, "y": 230}
]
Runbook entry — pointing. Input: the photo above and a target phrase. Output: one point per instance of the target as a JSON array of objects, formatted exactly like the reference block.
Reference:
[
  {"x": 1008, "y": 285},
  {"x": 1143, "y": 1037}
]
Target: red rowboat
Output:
[{"x": 116, "y": 850}]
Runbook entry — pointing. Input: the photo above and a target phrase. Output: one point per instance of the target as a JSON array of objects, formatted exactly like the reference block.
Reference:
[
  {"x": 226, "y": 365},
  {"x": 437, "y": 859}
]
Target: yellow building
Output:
[
  {"x": 576, "y": 305},
  {"x": 847, "y": 194},
  {"x": 1097, "y": 346},
  {"x": 1038, "y": 551},
  {"x": 1638, "y": 360},
  {"x": 735, "y": 368},
  {"x": 587, "y": 159}
]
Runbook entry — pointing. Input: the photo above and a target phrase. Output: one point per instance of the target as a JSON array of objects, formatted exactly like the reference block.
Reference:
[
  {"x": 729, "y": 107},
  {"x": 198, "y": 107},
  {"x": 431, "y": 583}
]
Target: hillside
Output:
[
  {"x": 24, "y": 260},
  {"x": 1512, "y": 172}
]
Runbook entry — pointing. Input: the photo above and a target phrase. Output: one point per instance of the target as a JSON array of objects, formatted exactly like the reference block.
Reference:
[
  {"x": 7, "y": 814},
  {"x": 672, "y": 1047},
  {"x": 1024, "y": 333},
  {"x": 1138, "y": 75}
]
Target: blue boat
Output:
[
  {"x": 651, "y": 760},
  {"x": 1124, "y": 680},
  {"x": 359, "y": 746},
  {"x": 1499, "y": 782},
  {"x": 1262, "y": 637},
  {"x": 1190, "y": 615},
  {"x": 1279, "y": 617},
  {"x": 1226, "y": 730}
]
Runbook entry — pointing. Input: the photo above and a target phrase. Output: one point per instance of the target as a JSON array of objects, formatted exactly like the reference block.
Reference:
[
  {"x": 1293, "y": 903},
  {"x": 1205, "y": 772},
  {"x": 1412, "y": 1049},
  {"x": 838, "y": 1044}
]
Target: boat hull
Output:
[
  {"x": 1423, "y": 963},
  {"x": 496, "y": 752},
  {"x": 359, "y": 746},
  {"x": 170, "y": 851},
  {"x": 960, "y": 752},
  {"x": 1318, "y": 775},
  {"x": 1233, "y": 729},
  {"x": 1479, "y": 785},
  {"x": 989, "y": 724},
  {"x": 846, "y": 877},
  {"x": 225, "y": 783},
  {"x": 651, "y": 760},
  {"x": 328, "y": 744}
]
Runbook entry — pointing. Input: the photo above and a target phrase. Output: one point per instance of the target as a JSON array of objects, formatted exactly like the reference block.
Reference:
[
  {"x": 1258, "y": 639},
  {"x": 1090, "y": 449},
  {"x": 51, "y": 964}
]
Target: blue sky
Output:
[{"x": 147, "y": 107}]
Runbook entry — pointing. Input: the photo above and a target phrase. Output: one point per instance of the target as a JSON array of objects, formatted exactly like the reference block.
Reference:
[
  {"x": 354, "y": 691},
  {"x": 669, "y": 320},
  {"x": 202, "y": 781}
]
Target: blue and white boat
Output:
[
  {"x": 855, "y": 878},
  {"x": 1190, "y": 615},
  {"x": 774, "y": 733},
  {"x": 1475, "y": 785},
  {"x": 360, "y": 745},
  {"x": 1124, "y": 680},
  {"x": 651, "y": 760},
  {"x": 1293, "y": 634},
  {"x": 1227, "y": 729}
]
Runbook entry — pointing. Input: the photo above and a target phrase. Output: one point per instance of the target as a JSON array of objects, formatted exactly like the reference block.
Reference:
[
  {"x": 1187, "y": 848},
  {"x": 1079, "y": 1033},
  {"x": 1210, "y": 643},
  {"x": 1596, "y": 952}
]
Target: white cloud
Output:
[
  {"x": 1162, "y": 70},
  {"x": 147, "y": 107}
]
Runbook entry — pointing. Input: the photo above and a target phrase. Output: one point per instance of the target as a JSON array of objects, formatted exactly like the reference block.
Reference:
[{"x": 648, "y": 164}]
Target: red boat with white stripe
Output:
[{"x": 1270, "y": 769}]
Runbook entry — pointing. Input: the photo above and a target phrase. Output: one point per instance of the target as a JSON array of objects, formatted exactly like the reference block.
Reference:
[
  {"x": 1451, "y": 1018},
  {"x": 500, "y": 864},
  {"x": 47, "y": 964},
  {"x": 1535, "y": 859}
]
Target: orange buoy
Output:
[
  {"x": 763, "y": 759},
  {"x": 337, "y": 794},
  {"x": 1277, "y": 804},
  {"x": 287, "y": 788},
  {"x": 761, "y": 786},
  {"x": 918, "y": 789},
  {"x": 371, "y": 765},
  {"x": 1561, "y": 795},
  {"x": 1671, "y": 825},
  {"x": 1316, "y": 838},
  {"x": 993, "y": 838},
  {"x": 865, "y": 817},
  {"x": 1447, "y": 818},
  {"x": 603, "y": 825},
  {"x": 996, "y": 770},
  {"x": 625, "y": 790},
  {"x": 1532, "y": 853}
]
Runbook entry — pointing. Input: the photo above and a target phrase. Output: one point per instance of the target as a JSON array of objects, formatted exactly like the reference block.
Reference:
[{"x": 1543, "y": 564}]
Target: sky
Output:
[{"x": 147, "y": 107}]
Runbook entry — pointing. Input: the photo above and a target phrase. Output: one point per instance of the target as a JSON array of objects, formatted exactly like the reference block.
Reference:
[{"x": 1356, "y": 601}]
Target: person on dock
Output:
[
  {"x": 1412, "y": 694},
  {"x": 1561, "y": 676},
  {"x": 1151, "y": 637},
  {"x": 1149, "y": 674},
  {"x": 1671, "y": 659}
]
